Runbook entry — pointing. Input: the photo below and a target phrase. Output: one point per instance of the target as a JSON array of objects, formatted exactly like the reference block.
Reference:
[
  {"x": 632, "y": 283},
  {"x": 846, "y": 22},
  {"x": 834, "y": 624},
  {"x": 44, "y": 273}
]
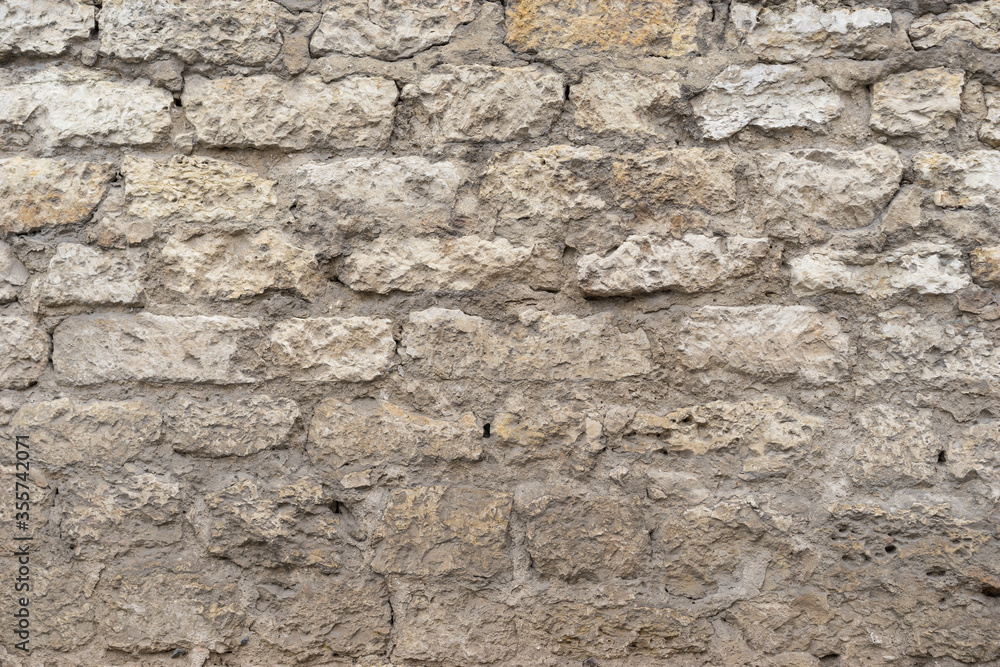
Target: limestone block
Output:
[
  {"x": 329, "y": 349},
  {"x": 624, "y": 101},
  {"x": 667, "y": 28},
  {"x": 43, "y": 27},
  {"x": 117, "y": 347},
  {"x": 483, "y": 104},
  {"x": 989, "y": 129},
  {"x": 231, "y": 427},
  {"x": 808, "y": 31},
  {"x": 40, "y": 193},
  {"x": 444, "y": 531},
  {"x": 645, "y": 264},
  {"x": 24, "y": 353},
  {"x": 770, "y": 97},
  {"x": 13, "y": 274},
  {"x": 769, "y": 342},
  {"x": 232, "y": 267},
  {"x": 975, "y": 22},
  {"x": 220, "y": 32},
  {"x": 76, "y": 107},
  {"x": 373, "y": 433},
  {"x": 429, "y": 630},
  {"x": 985, "y": 262},
  {"x": 102, "y": 434},
  {"x": 303, "y": 113},
  {"x": 390, "y": 32},
  {"x": 702, "y": 178},
  {"x": 967, "y": 181},
  {"x": 82, "y": 275},
  {"x": 924, "y": 103},
  {"x": 448, "y": 344}
]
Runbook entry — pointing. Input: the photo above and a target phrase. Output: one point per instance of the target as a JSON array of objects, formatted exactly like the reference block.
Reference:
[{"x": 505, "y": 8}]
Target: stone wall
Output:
[{"x": 447, "y": 332}]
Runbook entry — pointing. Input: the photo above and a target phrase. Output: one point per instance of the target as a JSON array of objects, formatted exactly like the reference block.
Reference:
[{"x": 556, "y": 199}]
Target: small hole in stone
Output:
[
  {"x": 890, "y": 549},
  {"x": 486, "y": 430},
  {"x": 991, "y": 591},
  {"x": 335, "y": 507},
  {"x": 942, "y": 457},
  {"x": 177, "y": 101}
]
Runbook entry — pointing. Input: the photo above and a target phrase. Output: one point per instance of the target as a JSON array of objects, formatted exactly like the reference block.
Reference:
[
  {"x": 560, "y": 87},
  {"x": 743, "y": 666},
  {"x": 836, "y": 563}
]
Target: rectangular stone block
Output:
[
  {"x": 626, "y": 102},
  {"x": 264, "y": 111},
  {"x": 82, "y": 275},
  {"x": 974, "y": 22},
  {"x": 666, "y": 28},
  {"x": 76, "y": 107},
  {"x": 439, "y": 531},
  {"x": 924, "y": 103},
  {"x": 220, "y": 32},
  {"x": 239, "y": 426},
  {"x": 766, "y": 342},
  {"x": 376, "y": 433},
  {"x": 40, "y": 193},
  {"x": 24, "y": 353},
  {"x": 967, "y": 181},
  {"x": 43, "y": 27},
  {"x": 448, "y": 344},
  {"x": 481, "y": 103},
  {"x": 703, "y": 178},
  {"x": 116, "y": 347},
  {"x": 333, "y": 349}
]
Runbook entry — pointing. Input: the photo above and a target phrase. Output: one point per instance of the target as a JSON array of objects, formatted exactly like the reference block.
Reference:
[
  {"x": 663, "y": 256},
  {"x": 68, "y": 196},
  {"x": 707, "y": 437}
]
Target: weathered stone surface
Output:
[
  {"x": 770, "y": 97},
  {"x": 529, "y": 430},
  {"x": 591, "y": 538},
  {"x": 975, "y": 22},
  {"x": 989, "y": 130},
  {"x": 372, "y": 196},
  {"x": 304, "y": 113},
  {"x": 82, "y": 275},
  {"x": 221, "y": 32},
  {"x": 24, "y": 353},
  {"x": 897, "y": 447},
  {"x": 277, "y": 523},
  {"x": 91, "y": 349},
  {"x": 827, "y": 188},
  {"x": 232, "y": 267},
  {"x": 623, "y": 101},
  {"x": 444, "y": 531},
  {"x": 103, "y": 434},
  {"x": 668, "y": 28},
  {"x": 239, "y": 427},
  {"x": 77, "y": 107},
  {"x": 137, "y": 510},
  {"x": 391, "y": 32},
  {"x": 40, "y": 193},
  {"x": 923, "y": 104},
  {"x": 934, "y": 351},
  {"x": 373, "y": 433},
  {"x": 321, "y": 616},
  {"x": 191, "y": 192},
  {"x": 431, "y": 264},
  {"x": 967, "y": 181},
  {"x": 985, "y": 262},
  {"x": 43, "y": 27},
  {"x": 645, "y": 264},
  {"x": 689, "y": 177},
  {"x": 481, "y": 103},
  {"x": 13, "y": 274},
  {"x": 769, "y": 342},
  {"x": 329, "y": 349},
  {"x": 449, "y": 344},
  {"x": 429, "y": 630},
  {"x": 758, "y": 427},
  {"x": 810, "y": 32},
  {"x": 924, "y": 268},
  {"x": 157, "y": 602}
]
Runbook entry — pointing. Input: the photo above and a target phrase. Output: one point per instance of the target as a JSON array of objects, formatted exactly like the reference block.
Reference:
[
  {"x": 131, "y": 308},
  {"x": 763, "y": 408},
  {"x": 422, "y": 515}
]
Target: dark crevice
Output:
[{"x": 486, "y": 430}]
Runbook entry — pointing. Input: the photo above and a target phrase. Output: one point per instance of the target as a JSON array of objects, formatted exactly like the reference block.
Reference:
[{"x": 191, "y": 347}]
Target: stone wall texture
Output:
[{"x": 534, "y": 333}]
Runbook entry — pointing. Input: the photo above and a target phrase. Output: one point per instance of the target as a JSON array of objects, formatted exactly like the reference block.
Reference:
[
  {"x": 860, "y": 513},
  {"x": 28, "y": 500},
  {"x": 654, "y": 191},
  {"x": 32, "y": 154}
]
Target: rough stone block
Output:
[
  {"x": 448, "y": 344},
  {"x": 82, "y": 275},
  {"x": 303, "y": 113},
  {"x": 624, "y": 101},
  {"x": 113, "y": 347},
  {"x": 24, "y": 353},
  {"x": 702, "y": 178},
  {"x": 230, "y": 427},
  {"x": 771, "y": 97},
  {"x": 393, "y": 31},
  {"x": 924, "y": 103},
  {"x": 331, "y": 349},
  {"x": 40, "y": 193},
  {"x": 975, "y": 22},
  {"x": 768, "y": 342},
  {"x": 75, "y": 107},
  {"x": 482, "y": 103},
  {"x": 439, "y": 531},
  {"x": 429, "y": 630},
  {"x": 13, "y": 274},
  {"x": 645, "y": 264},
  {"x": 220, "y": 32},
  {"x": 43, "y": 27},
  {"x": 966, "y": 181}
]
